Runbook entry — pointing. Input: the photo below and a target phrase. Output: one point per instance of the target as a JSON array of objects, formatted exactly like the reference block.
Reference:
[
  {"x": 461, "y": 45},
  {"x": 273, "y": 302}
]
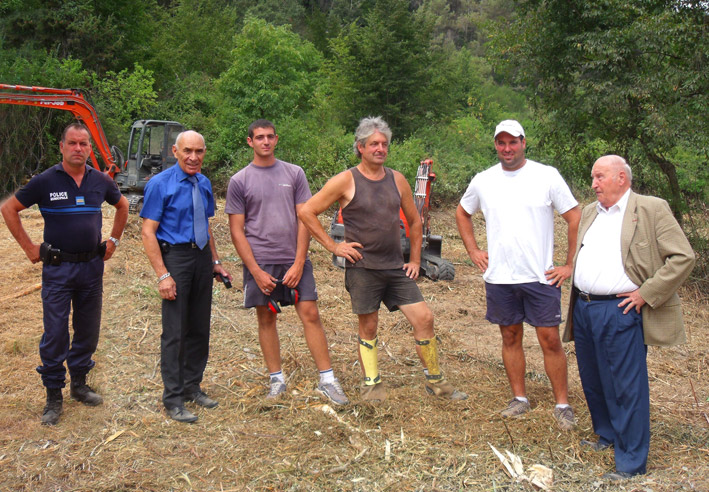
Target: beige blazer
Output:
[{"x": 657, "y": 257}]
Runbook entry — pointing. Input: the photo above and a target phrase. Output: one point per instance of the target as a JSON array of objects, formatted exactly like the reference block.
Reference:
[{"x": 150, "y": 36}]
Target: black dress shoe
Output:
[
  {"x": 617, "y": 476},
  {"x": 181, "y": 414},
  {"x": 596, "y": 446},
  {"x": 201, "y": 399}
]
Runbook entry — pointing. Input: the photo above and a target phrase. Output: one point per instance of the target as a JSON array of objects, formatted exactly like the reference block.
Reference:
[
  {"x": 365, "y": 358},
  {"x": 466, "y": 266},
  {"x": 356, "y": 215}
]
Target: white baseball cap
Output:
[{"x": 510, "y": 126}]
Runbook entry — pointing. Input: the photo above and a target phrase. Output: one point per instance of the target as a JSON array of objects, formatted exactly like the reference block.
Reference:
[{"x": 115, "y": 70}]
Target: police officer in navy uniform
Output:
[
  {"x": 69, "y": 196},
  {"x": 180, "y": 246}
]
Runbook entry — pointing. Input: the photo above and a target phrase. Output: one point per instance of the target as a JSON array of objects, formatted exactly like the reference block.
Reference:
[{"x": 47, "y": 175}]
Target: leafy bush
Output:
[
  {"x": 29, "y": 136},
  {"x": 273, "y": 75}
]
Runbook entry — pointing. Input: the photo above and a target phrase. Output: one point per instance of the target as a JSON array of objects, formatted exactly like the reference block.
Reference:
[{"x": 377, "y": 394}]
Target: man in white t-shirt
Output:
[{"x": 518, "y": 198}]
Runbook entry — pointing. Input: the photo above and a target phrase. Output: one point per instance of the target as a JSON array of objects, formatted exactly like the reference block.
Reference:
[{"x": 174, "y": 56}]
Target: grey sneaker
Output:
[
  {"x": 277, "y": 389},
  {"x": 565, "y": 418},
  {"x": 515, "y": 408},
  {"x": 333, "y": 391}
]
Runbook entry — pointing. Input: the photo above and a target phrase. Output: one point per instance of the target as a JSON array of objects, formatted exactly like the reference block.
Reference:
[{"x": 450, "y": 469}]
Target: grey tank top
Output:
[{"x": 372, "y": 219}]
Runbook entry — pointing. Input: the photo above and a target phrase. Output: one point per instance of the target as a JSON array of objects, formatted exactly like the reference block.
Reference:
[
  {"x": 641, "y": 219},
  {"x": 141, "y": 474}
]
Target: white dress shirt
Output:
[{"x": 599, "y": 265}]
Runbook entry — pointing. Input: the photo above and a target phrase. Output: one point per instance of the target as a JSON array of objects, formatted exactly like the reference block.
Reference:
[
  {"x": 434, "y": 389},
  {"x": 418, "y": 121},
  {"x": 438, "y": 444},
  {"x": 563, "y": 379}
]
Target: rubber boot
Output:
[
  {"x": 53, "y": 408},
  {"x": 368, "y": 355},
  {"x": 80, "y": 391}
]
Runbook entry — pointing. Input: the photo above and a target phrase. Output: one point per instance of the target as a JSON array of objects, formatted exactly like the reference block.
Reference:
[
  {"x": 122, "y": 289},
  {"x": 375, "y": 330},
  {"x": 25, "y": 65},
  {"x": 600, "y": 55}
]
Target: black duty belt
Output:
[
  {"x": 165, "y": 246},
  {"x": 594, "y": 297},
  {"x": 54, "y": 256}
]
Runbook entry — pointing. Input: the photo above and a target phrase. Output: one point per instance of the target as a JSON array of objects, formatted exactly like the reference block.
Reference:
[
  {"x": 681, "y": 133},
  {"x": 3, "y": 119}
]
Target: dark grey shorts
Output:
[
  {"x": 368, "y": 288},
  {"x": 534, "y": 303},
  {"x": 306, "y": 287}
]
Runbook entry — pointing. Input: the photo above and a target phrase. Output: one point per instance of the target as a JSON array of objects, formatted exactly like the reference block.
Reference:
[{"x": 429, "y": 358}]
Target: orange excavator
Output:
[{"x": 149, "y": 147}]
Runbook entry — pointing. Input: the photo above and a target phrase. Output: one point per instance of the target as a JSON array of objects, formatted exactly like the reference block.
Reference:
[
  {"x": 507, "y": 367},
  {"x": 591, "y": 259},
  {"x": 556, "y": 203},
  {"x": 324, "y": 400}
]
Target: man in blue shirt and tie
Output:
[{"x": 180, "y": 246}]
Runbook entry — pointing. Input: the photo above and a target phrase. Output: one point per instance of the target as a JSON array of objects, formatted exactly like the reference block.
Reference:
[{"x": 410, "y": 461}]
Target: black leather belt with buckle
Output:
[
  {"x": 166, "y": 247},
  {"x": 594, "y": 297},
  {"x": 54, "y": 256}
]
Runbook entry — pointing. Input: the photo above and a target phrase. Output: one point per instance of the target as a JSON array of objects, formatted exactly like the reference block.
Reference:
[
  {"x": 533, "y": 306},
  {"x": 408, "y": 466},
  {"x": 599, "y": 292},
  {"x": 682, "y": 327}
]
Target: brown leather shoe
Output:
[
  {"x": 444, "y": 389},
  {"x": 373, "y": 393}
]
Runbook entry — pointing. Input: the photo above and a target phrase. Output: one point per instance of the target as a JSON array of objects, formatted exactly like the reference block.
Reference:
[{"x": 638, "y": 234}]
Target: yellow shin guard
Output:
[
  {"x": 368, "y": 352},
  {"x": 429, "y": 353}
]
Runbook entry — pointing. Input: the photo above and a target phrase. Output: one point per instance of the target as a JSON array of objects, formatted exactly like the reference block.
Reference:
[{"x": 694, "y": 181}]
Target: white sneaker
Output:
[{"x": 277, "y": 389}]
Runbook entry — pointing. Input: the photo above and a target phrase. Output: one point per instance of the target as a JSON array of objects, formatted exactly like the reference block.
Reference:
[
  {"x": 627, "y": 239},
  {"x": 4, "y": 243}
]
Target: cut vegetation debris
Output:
[{"x": 409, "y": 443}]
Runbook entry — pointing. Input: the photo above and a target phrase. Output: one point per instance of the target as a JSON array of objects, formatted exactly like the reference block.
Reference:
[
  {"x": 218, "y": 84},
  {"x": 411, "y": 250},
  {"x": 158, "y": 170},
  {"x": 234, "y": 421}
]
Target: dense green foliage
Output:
[
  {"x": 314, "y": 68},
  {"x": 620, "y": 77},
  {"x": 624, "y": 77},
  {"x": 272, "y": 72},
  {"x": 585, "y": 78}
]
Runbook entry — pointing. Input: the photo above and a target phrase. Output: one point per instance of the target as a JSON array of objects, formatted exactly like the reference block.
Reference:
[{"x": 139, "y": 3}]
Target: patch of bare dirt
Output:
[{"x": 410, "y": 442}]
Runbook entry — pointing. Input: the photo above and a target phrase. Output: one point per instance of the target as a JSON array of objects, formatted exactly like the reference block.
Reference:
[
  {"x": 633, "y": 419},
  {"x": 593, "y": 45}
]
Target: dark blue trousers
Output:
[
  {"x": 75, "y": 288},
  {"x": 612, "y": 360},
  {"x": 184, "y": 344}
]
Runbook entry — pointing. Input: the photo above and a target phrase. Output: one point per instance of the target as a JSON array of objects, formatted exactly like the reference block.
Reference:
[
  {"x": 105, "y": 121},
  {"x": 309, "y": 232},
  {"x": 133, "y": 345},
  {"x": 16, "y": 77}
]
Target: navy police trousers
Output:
[{"x": 75, "y": 288}]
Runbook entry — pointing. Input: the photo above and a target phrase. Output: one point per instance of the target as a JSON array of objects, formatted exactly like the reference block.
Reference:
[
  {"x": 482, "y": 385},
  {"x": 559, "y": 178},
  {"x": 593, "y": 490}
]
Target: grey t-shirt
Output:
[{"x": 267, "y": 197}]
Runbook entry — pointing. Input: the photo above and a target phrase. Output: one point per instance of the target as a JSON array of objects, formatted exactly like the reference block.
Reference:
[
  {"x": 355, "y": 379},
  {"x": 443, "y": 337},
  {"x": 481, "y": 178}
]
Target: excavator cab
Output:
[{"x": 149, "y": 152}]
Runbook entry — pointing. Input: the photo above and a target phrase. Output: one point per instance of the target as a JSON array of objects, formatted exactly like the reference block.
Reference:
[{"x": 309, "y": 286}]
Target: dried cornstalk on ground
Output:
[{"x": 410, "y": 442}]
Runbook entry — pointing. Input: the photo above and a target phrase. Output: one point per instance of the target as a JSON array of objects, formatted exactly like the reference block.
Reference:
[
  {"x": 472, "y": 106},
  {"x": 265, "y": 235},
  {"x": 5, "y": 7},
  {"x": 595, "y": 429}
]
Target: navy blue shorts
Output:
[
  {"x": 534, "y": 303},
  {"x": 368, "y": 288},
  {"x": 306, "y": 287}
]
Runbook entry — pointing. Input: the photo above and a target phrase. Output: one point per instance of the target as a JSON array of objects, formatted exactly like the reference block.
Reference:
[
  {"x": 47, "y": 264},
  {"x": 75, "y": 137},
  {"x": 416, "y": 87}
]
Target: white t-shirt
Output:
[{"x": 519, "y": 215}]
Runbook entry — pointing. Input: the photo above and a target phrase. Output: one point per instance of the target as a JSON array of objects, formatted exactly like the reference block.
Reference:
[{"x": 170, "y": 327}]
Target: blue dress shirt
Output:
[{"x": 168, "y": 200}]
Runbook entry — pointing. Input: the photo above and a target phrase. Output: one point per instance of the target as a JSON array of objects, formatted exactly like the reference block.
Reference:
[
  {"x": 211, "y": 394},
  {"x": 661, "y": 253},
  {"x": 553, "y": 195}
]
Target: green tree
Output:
[
  {"x": 630, "y": 74},
  {"x": 279, "y": 13},
  {"x": 29, "y": 136},
  {"x": 122, "y": 98},
  {"x": 192, "y": 37},
  {"x": 379, "y": 66},
  {"x": 105, "y": 35},
  {"x": 273, "y": 74}
]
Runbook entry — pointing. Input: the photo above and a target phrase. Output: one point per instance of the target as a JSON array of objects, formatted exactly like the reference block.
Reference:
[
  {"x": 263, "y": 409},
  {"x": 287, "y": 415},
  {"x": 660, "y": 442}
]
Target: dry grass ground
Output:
[{"x": 411, "y": 442}]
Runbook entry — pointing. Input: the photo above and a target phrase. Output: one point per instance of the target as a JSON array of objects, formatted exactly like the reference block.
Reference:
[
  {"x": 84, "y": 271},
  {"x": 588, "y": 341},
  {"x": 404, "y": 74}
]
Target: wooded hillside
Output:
[{"x": 585, "y": 78}]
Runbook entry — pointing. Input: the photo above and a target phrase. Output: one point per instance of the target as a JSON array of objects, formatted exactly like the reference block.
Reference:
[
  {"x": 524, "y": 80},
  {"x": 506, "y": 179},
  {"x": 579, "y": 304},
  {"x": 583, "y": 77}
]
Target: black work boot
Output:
[
  {"x": 53, "y": 408},
  {"x": 80, "y": 391}
]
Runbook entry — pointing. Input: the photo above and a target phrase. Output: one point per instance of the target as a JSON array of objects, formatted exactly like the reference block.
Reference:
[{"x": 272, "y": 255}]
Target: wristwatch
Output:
[
  {"x": 217, "y": 262},
  {"x": 115, "y": 241}
]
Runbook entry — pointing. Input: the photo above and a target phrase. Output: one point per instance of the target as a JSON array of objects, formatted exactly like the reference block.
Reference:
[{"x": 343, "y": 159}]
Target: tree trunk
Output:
[{"x": 670, "y": 172}]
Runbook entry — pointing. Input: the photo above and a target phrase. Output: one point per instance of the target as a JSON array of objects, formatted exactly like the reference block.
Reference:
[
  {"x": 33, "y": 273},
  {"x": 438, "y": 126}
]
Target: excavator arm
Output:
[{"x": 77, "y": 103}]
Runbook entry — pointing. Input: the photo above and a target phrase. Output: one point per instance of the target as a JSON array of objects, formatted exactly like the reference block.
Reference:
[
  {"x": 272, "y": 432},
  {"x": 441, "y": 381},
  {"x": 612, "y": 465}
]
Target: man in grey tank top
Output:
[{"x": 370, "y": 196}]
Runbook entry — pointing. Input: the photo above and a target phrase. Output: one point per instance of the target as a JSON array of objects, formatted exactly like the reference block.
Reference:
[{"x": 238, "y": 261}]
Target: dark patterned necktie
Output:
[{"x": 201, "y": 237}]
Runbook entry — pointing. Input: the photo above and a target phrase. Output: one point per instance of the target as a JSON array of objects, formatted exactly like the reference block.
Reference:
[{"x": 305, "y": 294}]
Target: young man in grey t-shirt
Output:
[{"x": 262, "y": 203}]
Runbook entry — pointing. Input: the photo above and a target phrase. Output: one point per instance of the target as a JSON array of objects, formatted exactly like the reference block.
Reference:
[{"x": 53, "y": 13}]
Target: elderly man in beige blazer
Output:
[{"x": 631, "y": 258}]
